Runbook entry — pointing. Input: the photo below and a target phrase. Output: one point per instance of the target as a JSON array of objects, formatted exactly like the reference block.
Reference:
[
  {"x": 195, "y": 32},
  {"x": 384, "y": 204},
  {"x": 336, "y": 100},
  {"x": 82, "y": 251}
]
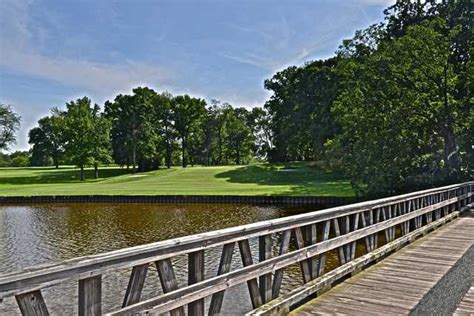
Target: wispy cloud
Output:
[
  {"x": 98, "y": 77},
  {"x": 249, "y": 59}
]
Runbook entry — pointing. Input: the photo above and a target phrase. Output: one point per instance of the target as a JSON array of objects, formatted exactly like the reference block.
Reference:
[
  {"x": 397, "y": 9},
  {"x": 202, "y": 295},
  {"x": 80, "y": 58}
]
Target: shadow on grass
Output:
[
  {"x": 51, "y": 175},
  {"x": 303, "y": 179}
]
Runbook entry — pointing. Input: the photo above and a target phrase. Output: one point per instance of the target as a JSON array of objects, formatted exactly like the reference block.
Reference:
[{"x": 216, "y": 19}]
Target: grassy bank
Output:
[{"x": 259, "y": 179}]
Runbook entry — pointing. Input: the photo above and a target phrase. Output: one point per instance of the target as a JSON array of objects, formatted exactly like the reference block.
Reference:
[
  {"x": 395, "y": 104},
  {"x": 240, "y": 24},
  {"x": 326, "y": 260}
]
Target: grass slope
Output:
[{"x": 257, "y": 179}]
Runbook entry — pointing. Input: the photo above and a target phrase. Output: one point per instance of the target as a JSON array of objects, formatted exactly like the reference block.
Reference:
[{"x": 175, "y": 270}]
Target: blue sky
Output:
[{"x": 55, "y": 51}]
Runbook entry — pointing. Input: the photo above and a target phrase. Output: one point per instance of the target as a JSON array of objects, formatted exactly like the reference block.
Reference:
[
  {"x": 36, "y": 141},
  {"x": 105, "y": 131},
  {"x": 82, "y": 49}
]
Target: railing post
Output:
[
  {"x": 277, "y": 279},
  {"x": 135, "y": 285},
  {"x": 224, "y": 267},
  {"x": 252, "y": 284},
  {"x": 90, "y": 296},
  {"x": 196, "y": 274},
  {"x": 264, "y": 253},
  {"x": 168, "y": 281},
  {"x": 32, "y": 304}
]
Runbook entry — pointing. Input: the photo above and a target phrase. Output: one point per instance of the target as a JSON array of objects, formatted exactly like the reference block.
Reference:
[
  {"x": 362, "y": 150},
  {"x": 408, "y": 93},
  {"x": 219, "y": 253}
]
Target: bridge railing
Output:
[{"x": 382, "y": 225}]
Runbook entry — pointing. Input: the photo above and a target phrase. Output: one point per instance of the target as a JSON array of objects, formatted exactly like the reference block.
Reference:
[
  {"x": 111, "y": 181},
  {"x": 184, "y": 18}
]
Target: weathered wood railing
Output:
[{"x": 383, "y": 225}]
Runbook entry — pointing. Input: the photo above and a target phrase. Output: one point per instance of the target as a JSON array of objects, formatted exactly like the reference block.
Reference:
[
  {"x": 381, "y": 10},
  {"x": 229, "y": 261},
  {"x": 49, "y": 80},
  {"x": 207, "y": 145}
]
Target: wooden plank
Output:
[
  {"x": 355, "y": 226},
  {"x": 367, "y": 240},
  {"x": 376, "y": 220},
  {"x": 224, "y": 267},
  {"x": 195, "y": 275},
  {"x": 304, "y": 265},
  {"x": 265, "y": 281},
  {"x": 135, "y": 285},
  {"x": 90, "y": 296},
  {"x": 322, "y": 257},
  {"x": 337, "y": 233},
  {"x": 252, "y": 284},
  {"x": 385, "y": 217},
  {"x": 278, "y": 278},
  {"x": 347, "y": 229},
  {"x": 77, "y": 268},
  {"x": 32, "y": 304},
  {"x": 311, "y": 239},
  {"x": 168, "y": 281}
]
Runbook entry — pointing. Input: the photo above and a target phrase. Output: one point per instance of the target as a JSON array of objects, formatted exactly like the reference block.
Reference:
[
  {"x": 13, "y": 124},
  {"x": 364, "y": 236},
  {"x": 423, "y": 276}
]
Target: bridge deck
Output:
[{"x": 397, "y": 284}]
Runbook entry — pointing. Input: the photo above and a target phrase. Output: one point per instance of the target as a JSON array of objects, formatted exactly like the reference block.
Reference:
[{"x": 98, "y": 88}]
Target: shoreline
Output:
[{"x": 181, "y": 199}]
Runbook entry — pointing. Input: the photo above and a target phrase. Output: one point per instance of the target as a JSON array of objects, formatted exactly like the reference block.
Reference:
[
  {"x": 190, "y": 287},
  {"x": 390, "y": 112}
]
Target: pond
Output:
[{"x": 31, "y": 235}]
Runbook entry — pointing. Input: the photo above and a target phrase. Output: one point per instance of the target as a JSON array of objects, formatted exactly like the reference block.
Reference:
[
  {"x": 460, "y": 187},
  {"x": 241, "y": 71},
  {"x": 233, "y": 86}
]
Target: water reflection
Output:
[{"x": 31, "y": 235}]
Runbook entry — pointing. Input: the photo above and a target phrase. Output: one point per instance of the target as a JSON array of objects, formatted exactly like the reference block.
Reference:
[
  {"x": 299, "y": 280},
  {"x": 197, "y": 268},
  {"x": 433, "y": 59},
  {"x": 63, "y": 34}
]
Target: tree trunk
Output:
[
  {"x": 220, "y": 150},
  {"x": 56, "y": 162},
  {"x": 183, "y": 153},
  {"x": 96, "y": 171},
  {"x": 237, "y": 161},
  {"x": 168, "y": 156},
  {"x": 82, "y": 176},
  {"x": 134, "y": 158},
  {"x": 451, "y": 154}
]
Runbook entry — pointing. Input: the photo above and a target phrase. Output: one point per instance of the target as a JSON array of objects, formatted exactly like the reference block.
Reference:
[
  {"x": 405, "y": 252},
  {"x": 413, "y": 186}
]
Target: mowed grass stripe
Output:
[{"x": 300, "y": 179}]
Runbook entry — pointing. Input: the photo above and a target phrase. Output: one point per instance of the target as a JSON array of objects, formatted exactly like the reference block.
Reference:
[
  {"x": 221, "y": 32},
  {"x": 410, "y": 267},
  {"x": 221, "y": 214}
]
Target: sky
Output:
[{"x": 54, "y": 51}]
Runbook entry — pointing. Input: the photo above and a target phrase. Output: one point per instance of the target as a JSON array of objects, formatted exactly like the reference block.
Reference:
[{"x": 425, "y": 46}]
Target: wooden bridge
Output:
[{"x": 359, "y": 235}]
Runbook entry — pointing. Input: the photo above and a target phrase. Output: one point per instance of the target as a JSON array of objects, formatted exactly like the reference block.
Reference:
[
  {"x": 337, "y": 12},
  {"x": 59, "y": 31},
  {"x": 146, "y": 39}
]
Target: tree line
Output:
[
  {"x": 392, "y": 109},
  {"x": 147, "y": 130}
]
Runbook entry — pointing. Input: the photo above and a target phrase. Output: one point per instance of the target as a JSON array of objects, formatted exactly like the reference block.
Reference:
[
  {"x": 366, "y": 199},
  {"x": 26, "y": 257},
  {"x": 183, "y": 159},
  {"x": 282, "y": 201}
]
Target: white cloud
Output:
[
  {"x": 18, "y": 55},
  {"x": 97, "y": 77}
]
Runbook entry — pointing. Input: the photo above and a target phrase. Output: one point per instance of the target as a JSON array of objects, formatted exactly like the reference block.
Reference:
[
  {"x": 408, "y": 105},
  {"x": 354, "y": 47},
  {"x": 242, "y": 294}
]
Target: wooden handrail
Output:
[{"x": 397, "y": 210}]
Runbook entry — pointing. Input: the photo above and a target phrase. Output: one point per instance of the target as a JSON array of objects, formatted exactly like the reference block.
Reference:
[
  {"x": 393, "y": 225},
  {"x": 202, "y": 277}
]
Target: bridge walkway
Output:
[{"x": 399, "y": 283}]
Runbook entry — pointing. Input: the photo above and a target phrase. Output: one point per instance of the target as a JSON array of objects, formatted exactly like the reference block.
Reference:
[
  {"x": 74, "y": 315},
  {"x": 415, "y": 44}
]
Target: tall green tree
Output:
[
  {"x": 78, "y": 133},
  {"x": 133, "y": 119},
  {"x": 165, "y": 126},
  {"x": 101, "y": 142},
  {"x": 259, "y": 122},
  {"x": 86, "y": 134},
  {"x": 188, "y": 119},
  {"x": 239, "y": 138},
  {"x": 9, "y": 125},
  {"x": 300, "y": 109},
  {"x": 399, "y": 112},
  {"x": 48, "y": 139}
]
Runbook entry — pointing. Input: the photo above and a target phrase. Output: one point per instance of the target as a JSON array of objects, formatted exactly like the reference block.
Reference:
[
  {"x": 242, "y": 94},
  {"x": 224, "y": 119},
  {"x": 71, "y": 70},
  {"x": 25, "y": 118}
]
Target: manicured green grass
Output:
[{"x": 257, "y": 179}]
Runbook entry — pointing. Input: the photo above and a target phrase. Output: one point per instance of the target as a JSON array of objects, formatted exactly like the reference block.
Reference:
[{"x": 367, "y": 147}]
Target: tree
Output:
[
  {"x": 20, "y": 159},
  {"x": 239, "y": 137},
  {"x": 101, "y": 145},
  {"x": 259, "y": 122},
  {"x": 86, "y": 134},
  {"x": 48, "y": 139},
  {"x": 78, "y": 133},
  {"x": 399, "y": 113},
  {"x": 188, "y": 117},
  {"x": 9, "y": 124},
  {"x": 300, "y": 109},
  {"x": 133, "y": 119},
  {"x": 164, "y": 123},
  {"x": 215, "y": 132}
]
